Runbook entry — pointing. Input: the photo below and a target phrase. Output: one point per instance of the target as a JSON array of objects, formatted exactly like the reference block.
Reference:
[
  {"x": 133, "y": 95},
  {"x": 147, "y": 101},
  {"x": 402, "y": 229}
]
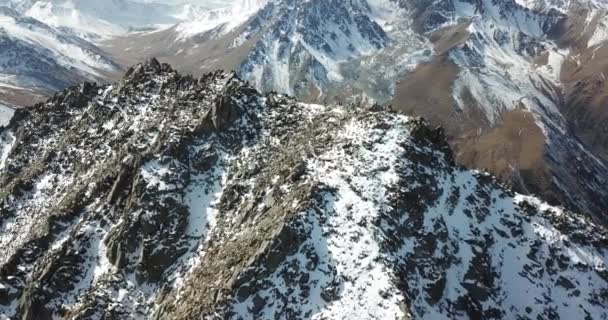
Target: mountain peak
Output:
[{"x": 151, "y": 65}]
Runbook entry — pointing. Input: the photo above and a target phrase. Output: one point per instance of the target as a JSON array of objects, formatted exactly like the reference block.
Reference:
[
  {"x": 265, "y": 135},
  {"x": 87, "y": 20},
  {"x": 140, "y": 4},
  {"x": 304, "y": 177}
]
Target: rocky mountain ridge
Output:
[
  {"x": 517, "y": 85},
  {"x": 164, "y": 196}
]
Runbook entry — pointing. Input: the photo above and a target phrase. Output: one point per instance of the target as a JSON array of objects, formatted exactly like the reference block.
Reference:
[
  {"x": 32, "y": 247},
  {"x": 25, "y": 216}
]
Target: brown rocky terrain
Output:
[
  {"x": 585, "y": 89},
  {"x": 22, "y": 97},
  {"x": 197, "y": 55}
]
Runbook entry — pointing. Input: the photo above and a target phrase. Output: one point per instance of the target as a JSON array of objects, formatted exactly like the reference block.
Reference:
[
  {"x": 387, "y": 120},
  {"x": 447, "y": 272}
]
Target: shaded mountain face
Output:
[
  {"x": 36, "y": 59},
  {"x": 518, "y": 85},
  {"x": 168, "y": 197}
]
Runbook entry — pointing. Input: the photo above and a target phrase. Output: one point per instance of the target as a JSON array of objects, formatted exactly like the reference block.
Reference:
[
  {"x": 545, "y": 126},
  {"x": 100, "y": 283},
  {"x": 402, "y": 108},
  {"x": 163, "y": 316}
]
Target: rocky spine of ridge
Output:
[{"x": 164, "y": 196}]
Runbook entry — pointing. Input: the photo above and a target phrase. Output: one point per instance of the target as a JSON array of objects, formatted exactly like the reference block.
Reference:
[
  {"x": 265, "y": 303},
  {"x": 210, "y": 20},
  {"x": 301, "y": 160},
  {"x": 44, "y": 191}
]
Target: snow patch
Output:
[
  {"x": 225, "y": 19},
  {"x": 6, "y": 114}
]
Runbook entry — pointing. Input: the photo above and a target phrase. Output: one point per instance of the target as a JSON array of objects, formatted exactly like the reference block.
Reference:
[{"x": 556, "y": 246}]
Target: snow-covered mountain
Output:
[
  {"x": 295, "y": 47},
  {"x": 36, "y": 59},
  {"x": 563, "y": 6},
  {"x": 49, "y": 44},
  {"x": 226, "y": 18},
  {"x": 502, "y": 77},
  {"x": 168, "y": 197},
  {"x": 92, "y": 19}
]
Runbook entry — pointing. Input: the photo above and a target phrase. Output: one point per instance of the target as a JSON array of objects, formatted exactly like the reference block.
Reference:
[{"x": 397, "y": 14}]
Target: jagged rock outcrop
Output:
[{"x": 168, "y": 197}]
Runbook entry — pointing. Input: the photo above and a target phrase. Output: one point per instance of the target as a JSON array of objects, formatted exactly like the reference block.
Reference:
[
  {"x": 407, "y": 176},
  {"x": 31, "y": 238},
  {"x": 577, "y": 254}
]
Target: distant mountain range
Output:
[
  {"x": 96, "y": 19},
  {"x": 49, "y": 45},
  {"x": 37, "y": 59}
]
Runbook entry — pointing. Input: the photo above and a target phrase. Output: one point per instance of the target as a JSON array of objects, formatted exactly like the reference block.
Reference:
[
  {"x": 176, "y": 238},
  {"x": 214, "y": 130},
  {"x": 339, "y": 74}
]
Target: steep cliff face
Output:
[{"x": 164, "y": 196}]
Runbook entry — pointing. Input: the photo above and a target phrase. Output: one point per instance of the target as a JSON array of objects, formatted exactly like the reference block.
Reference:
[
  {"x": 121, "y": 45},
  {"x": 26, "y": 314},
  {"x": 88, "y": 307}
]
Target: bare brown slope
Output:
[
  {"x": 450, "y": 37},
  {"x": 427, "y": 91},
  {"x": 512, "y": 149},
  {"x": 22, "y": 97},
  {"x": 586, "y": 91},
  {"x": 196, "y": 56},
  {"x": 583, "y": 78}
]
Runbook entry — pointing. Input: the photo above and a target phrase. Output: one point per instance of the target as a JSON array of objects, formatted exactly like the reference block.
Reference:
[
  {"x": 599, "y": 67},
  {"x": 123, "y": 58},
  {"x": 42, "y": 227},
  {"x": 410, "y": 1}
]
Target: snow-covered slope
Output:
[
  {"x": 302, "y": 46},
  {"x": 225, "y": 19},
  {"x": 69, "y": 16},
  {"x": 563, "y": 6},
  {"x": 39, "y": 58},
  {"x": 167, "y": 197},
  {"x": 6, "y": 114}
]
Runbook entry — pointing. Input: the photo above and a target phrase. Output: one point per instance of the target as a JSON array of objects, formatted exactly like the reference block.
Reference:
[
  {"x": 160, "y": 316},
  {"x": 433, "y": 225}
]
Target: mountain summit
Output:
[{"x": 169, "y": 197}]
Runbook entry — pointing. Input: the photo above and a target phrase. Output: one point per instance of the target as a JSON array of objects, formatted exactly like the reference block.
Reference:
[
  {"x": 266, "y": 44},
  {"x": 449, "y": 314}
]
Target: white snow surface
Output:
[
  {"x": 360, "y": 197},
  {"x": 562, "y": 5},
  {"x": 7, "y": 140},
  {"x": 226, "y": 19},
  {"x": 6, "y": 114},
  {"x": 355, "y": 216}
]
